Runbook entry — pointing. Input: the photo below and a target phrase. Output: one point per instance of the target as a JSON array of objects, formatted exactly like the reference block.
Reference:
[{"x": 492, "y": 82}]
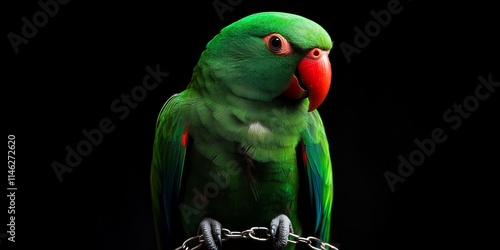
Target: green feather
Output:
[
  {"x": 319, "y": 175},
  {"x": 167, "y": 166}
]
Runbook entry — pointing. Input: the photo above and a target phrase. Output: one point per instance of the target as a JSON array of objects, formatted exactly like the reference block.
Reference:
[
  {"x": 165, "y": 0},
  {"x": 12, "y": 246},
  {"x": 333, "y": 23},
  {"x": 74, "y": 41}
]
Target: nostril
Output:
[{"x": 315, "y": 53}]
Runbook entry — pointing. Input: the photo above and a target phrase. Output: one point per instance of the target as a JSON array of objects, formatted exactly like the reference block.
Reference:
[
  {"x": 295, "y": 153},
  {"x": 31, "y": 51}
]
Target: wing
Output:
[
  {"x": 169, "y": 151},
  {"x": 316, "y": 156}
]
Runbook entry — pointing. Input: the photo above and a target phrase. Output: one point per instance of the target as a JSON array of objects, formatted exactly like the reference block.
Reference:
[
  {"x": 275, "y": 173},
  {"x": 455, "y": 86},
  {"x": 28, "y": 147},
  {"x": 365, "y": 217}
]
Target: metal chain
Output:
[{"x": 258, "y": 234}]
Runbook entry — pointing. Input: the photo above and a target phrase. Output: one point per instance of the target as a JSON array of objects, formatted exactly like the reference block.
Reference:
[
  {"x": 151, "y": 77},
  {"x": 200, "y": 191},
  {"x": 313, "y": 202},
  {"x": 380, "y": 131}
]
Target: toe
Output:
[
  {"x": 281, "y": 227},
  {"x": 211, "y": 231}
]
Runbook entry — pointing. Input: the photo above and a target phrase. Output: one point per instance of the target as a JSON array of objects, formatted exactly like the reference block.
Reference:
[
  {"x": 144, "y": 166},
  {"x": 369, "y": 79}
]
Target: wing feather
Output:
[
  {"x": 169, "y": 151},
  {"x": 318, "y": 166}
]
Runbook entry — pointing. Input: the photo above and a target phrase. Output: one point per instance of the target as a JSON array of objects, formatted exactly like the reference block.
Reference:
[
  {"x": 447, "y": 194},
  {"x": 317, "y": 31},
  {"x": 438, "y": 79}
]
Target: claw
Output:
[
  {"x": 212, "y": 231},
  {"x": 284, "y": 227},
  {"x": 219, "y": 239},
  {"x": 273, "y": 231}
]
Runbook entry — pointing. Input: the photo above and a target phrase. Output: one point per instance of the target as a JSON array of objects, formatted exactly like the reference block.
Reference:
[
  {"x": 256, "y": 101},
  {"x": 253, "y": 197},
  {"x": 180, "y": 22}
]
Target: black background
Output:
[{"x": 395, "y": 91}]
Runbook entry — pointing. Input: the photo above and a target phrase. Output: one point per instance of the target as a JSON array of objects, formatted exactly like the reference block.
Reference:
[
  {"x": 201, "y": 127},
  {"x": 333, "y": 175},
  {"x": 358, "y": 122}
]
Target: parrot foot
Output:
[
  {"x": 281, "y": 227},
  {"x": 212, "y": 231}
]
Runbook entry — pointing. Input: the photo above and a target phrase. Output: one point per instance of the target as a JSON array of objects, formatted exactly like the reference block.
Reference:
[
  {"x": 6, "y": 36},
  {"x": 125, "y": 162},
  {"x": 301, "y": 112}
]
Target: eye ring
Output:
[{"x": 277, "y": 44}]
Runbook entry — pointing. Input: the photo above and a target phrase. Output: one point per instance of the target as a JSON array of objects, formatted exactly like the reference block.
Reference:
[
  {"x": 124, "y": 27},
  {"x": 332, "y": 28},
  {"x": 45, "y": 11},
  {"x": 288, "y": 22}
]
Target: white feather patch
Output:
[{"x": 257, "y": 129}]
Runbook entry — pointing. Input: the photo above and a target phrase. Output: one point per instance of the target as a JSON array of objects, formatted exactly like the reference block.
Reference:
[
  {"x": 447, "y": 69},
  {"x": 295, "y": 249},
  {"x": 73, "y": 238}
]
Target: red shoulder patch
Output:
[
  {"x": 304, "y": 155},
  {"x": 185, "y": 137}
]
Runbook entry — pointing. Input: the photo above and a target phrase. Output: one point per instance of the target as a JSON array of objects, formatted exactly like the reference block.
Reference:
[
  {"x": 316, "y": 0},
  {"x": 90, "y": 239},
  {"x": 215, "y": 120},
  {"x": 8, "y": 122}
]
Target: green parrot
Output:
[{"x": 243, "y": 145}]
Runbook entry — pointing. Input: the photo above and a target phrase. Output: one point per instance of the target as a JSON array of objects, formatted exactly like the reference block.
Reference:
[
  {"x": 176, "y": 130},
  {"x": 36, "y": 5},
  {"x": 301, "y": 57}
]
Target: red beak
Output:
[{"x": 316, "y": 74}]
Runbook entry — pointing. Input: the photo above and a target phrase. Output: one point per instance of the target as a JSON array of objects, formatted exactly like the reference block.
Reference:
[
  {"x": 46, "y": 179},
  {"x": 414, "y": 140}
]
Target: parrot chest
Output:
[
  {"x": 243, "y": 192},
  {"x": 241, "y": 165}
]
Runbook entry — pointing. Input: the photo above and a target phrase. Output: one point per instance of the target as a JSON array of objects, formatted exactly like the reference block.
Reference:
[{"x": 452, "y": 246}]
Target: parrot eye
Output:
[
  {"x": 275, "y": 43},
  {"x": 278, "y": 44}
]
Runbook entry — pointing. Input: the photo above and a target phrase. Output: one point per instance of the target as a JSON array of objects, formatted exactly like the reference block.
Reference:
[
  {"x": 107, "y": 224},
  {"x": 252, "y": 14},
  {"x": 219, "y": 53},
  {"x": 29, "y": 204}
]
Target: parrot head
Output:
[{"x": 271, "y": 54}]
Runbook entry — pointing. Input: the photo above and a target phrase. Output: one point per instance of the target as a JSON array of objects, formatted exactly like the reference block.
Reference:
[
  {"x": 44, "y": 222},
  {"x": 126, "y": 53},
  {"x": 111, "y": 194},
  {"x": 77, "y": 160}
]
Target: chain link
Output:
[
  {"x": 189, "y": 244},
  {"x": 257, "y": 234}
]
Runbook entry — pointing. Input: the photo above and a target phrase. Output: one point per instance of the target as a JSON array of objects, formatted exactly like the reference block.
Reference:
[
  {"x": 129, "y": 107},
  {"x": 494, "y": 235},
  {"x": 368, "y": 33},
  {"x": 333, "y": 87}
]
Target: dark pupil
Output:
[{"x": 275, "y": 43}]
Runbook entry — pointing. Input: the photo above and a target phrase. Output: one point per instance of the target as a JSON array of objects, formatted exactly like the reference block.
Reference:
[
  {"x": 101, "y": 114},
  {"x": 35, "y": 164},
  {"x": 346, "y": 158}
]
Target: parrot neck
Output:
[{"x": 265, "y": 131}]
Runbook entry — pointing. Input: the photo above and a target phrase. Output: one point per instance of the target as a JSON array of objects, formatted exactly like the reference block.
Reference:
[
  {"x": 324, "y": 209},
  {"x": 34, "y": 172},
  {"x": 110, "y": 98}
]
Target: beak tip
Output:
[{"x": 314, "y": 103}]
